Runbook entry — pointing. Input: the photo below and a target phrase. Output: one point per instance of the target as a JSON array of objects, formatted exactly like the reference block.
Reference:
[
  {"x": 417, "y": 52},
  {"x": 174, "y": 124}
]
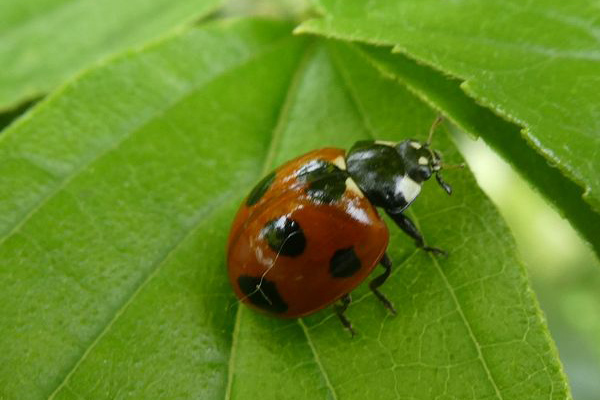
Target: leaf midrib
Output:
[
  {"x": 276, "y": 137},
  {"x": 212, "y": 208}
]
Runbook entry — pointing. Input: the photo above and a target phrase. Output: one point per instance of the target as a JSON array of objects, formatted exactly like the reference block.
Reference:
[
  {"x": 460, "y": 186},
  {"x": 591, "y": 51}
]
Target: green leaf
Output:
[
  {"x": 119, "y": 192},
  {"x": 534, "y": 63},
  {"x": 444, "y": 93},
  {"x": 43, "y": 42}
]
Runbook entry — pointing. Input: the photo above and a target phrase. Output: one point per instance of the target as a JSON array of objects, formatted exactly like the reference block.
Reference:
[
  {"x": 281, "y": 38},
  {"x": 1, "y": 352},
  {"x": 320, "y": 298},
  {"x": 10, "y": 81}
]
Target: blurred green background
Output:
[{"x": 563, "y": 270}]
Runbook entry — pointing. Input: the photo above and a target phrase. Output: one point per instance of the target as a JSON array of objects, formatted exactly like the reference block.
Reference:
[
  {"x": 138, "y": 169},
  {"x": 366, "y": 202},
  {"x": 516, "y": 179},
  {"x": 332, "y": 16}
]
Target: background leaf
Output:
[
  {"x": 42, "y": 42},
  {"x": 119, "y": 193},
  {"x": 444, "y": 93},
  {"x": 103, "y": 182},
  {"x": 533, "y": 63}
]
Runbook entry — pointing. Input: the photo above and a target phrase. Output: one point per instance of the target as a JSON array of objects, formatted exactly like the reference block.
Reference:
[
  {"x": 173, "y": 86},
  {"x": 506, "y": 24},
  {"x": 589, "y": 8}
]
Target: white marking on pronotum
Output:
[
  {"x": 340, "y": 162},
  {"x": 353, "y": 187},
  {"x": 423, "y": 160},
  {"x": 385, "y": 143},
  {"x": 409, "y": 188},
  {"x": 416, "y": 145}
]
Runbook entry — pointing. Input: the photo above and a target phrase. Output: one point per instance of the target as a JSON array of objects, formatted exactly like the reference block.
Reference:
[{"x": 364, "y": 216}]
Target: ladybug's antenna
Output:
[
  {"x": 435, "y": 124},
  {"x": 453, "y": 166}
]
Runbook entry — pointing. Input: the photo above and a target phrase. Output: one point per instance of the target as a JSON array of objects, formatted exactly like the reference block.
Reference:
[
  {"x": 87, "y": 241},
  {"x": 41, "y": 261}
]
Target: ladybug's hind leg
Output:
[
  {"x": 386, "y": 262},
  {"x": 341, "y": 308},
  {"x": 411, "y": 230}
]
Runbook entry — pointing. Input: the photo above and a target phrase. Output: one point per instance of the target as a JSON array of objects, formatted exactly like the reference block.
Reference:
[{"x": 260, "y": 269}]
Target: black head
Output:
[{"x": 420, "y": 162}]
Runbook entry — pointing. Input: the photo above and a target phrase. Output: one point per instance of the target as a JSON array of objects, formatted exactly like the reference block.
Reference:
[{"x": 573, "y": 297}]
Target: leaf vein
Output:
[
  {"x": 317, "y": 359},
  {"x": 278, "y": 129},
  {"x": 218, "y": 203},
  {"x": 369, "y": 130},
  {"x": 119, "y": 141},
  {"x": 467, "y": 325}
]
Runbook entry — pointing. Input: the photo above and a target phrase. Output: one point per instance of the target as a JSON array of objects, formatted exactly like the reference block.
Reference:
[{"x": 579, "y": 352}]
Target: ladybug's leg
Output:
[
  {"x": 340, "y": 309},
  {"x": 411, "y": 230},
  {"x": 386, "y": 262}
]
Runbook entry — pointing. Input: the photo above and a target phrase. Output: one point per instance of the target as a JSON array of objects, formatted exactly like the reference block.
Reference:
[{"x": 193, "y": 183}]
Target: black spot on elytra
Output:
[
  {"x": 260, "y": 189},
  {"x": 326, "y": 182},
  {"x": 344, "y": 263},
  {"x": 284, "y": 236},
  {"x": 262, "y": 294}
]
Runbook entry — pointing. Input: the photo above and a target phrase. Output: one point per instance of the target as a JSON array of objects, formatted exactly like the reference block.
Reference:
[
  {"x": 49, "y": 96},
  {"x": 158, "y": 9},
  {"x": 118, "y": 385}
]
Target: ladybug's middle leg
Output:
[
  {"x": 340, "y": 309},
  {"x": 411, "y": 230},
  {"x": 386, "y": 262}
]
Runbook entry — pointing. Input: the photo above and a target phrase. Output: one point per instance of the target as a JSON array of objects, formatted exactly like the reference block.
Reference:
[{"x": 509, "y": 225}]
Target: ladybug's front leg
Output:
[
  {"x": 411, "y": 230},
  {"x": 340, "y": 309}
]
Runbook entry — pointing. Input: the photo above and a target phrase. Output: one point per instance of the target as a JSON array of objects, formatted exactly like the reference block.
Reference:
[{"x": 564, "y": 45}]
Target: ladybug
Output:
[{"x": 309, "y": 232}]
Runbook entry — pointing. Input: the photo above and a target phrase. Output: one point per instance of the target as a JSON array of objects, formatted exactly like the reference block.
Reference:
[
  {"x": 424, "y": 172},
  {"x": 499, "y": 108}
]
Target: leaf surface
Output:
[
  {"x": 113, "y": 255},
  {"x": 43, "y": 42},
  {"x": 534, "y": 63},
  {"x": 444, "y": 93}
]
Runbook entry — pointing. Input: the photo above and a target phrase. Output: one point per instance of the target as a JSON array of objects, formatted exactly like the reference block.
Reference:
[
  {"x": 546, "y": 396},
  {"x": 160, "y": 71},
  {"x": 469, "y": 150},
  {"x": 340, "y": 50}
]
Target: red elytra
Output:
[{"x": 292, "y": 250}]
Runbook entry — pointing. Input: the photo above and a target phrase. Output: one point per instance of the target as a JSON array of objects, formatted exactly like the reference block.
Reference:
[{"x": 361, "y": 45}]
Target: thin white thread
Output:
[{"x": 262, "y": 277}]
